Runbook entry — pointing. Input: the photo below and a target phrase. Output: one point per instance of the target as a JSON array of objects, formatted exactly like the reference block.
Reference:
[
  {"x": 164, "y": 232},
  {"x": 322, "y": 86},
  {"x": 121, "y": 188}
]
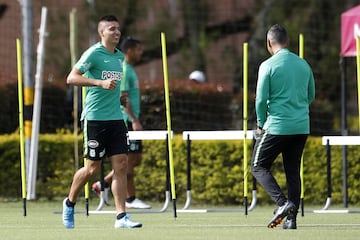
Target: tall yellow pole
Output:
[
  {"x": 168, "y": 119},
  {"x": 301, "y": 45},
  {"x": 73, "y": 52},
  {"x": 301, "y": 54},
  {"x": 74, "y": 56},
  {"x": 87, "y": 183},
  {"x": 245, "y": 121},
  {"x": 21, "y": 124}
]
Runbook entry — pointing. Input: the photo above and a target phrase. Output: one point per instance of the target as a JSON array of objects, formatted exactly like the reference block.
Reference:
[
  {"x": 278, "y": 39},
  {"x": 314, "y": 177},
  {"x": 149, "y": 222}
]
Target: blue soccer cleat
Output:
[{"x": 68, "y": 215}]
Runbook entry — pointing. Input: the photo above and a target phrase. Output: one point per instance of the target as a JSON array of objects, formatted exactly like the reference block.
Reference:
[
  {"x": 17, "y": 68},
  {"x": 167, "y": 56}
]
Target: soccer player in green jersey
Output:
[
  {"x": 100, "y": 69},
  {"x": 285, "y": 89},
  {"x": 132, "y": 49}
]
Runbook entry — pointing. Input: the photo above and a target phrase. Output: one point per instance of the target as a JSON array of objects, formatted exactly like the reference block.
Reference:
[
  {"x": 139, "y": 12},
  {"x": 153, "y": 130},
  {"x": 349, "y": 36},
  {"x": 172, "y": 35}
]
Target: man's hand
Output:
[
  {"x": 258, "y": 133},
  {"x": 124, "y": 100},
  {"x": 259, "y": 130},
  {"x": 136, "y": 125},
  {"x": 109, "y": 84}
]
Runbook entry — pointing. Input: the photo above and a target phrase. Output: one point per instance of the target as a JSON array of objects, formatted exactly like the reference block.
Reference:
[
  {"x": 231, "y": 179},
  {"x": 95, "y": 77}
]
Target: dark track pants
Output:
[{"x": 267, "y": 148}]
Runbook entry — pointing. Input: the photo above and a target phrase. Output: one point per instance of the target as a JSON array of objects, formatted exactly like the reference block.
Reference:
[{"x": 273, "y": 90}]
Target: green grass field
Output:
[{"x": 44, "y": 222}]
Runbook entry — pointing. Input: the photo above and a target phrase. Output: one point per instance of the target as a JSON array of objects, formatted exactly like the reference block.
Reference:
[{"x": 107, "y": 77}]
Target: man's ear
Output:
[
  {"x": 269, "y": 46},
  {"x": 101, "y": 32},
  {"x": 268, "y": 42}
]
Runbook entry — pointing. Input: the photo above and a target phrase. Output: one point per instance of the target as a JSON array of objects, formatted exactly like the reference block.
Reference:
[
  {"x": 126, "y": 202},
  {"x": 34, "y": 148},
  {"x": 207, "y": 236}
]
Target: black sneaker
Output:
[
  {"x": 281, "y": 213},
  {"x": 290, "y": 223}
]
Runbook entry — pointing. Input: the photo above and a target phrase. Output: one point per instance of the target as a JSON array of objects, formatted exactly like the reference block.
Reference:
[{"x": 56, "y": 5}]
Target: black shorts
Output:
[
  {"x": 105, "y": 139},
  {"x": 135, "y": 145}
]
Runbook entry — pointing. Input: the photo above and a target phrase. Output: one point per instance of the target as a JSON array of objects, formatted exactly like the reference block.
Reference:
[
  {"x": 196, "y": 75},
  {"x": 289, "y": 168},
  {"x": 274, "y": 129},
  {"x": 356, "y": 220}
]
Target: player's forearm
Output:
[
  {"x": 261, "y": 110},
  {"x": 77, "y": 79},
  {"x": 130, "y": 113}
]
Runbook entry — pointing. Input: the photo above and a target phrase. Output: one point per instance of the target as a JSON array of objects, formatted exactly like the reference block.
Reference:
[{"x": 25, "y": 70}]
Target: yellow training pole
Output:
[
  {"x": 358, "y": 72},
  {"x": 301, "y": 55},
  {"x": 301, "y": 45},
  {"x": 245, "y": 121},
  {"x": 168, "y": 119},
  {"x": 74, "y": 56},
  {"x": 73, "y": 52},
  {"x": 21, "y": 124},
  {"x": 87, "y": 183}
]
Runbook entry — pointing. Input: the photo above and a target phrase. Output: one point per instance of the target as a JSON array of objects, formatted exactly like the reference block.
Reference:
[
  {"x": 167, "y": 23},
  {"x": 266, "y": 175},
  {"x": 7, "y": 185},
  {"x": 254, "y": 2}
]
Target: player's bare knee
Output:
[{"x": 92, "y": 171}]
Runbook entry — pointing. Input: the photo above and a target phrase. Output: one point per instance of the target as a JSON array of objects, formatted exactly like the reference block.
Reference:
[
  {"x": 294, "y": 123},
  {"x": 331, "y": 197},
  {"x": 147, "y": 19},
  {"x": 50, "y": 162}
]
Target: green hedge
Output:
[{"x": 217, "y": 170}]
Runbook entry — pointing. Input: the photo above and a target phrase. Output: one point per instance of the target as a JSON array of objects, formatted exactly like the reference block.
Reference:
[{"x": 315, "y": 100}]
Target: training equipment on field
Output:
[
  {"x": 168, "y": 119},
  {"x": 143, "y": 135},
  {"x": 328, "y": 141},
  {"x": 212, "y": 135},
  {"x": 245, "y": 122},
  {"x": 197, "y": 76},
  {"x": 188, "y": 136},
  {"x": 301, "y": 55},
  {"x": 21, "y": 125}
]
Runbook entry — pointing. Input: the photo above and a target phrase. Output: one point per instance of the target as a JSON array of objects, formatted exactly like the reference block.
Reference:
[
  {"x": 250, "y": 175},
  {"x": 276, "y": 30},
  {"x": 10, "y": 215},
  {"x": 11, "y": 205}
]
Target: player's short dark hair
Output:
[
  {"x": 129, "y": 43},
  {"x": 278, "y": 34},
  {"x": 108, "y": 18}
]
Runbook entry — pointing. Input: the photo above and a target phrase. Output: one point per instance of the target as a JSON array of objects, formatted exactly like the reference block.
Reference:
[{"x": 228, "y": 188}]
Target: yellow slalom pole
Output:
[
  {"x": 73, "y": 53},
  {"x": 87, "y": 183},
  {"x": 301, "y": 55},
  {"x": 358, "y": 72},
  {"x": 301, "y": 45},
  {"x": 21, "y": 124},
  {"x": 168, "y": 120},
  {"x": 245, "y": 121}
]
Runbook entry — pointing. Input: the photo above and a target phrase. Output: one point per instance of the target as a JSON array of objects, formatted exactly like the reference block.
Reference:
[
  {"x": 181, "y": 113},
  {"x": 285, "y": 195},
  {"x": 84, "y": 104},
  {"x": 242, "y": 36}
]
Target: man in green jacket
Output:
[{"x": 285, "y": 89}]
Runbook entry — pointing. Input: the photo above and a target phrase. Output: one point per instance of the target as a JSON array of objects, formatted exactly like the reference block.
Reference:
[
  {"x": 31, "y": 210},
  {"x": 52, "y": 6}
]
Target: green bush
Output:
[
  {"x": 55, "y": 165},
  {"x": 217, "y": 170}
]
